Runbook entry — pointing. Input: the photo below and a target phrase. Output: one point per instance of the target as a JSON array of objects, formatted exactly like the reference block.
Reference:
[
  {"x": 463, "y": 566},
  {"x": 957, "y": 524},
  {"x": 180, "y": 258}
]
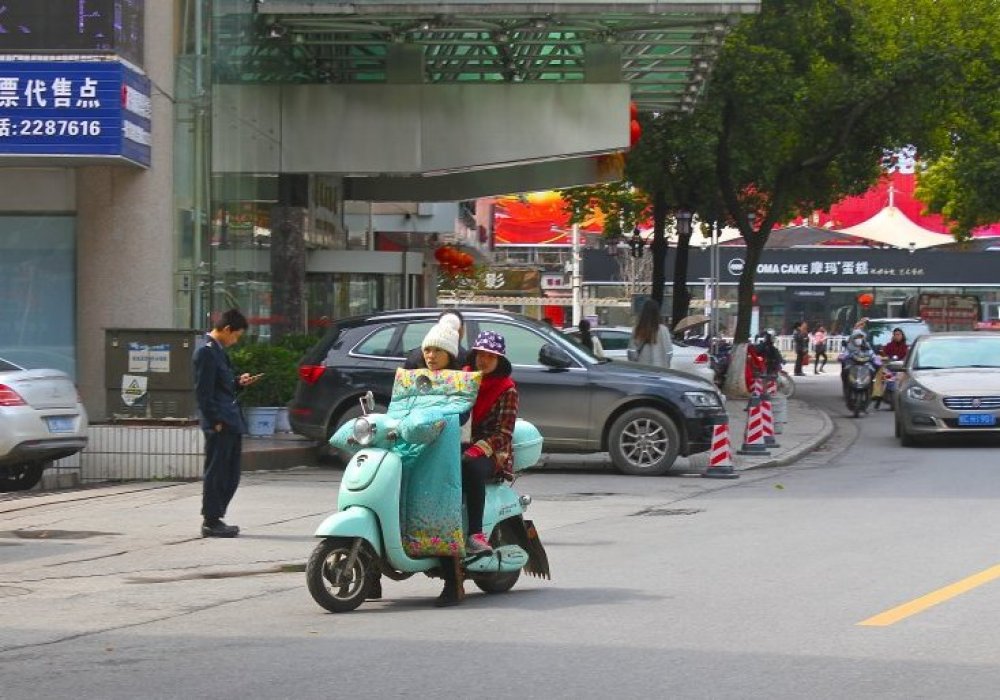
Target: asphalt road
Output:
[{"x": 785, "y": 583}]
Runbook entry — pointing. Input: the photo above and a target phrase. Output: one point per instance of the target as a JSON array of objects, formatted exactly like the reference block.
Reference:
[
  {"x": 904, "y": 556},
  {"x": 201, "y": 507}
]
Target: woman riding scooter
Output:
[
  {"x": 490, "y": 455},
  {"x": 895, "y": 349}
]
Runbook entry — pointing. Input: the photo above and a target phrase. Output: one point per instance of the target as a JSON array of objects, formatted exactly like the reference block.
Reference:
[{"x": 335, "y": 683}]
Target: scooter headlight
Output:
[{"x": 363, "y": 432}]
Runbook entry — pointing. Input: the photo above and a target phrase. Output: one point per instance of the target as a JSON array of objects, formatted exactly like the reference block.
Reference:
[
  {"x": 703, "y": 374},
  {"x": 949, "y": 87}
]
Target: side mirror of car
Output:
[
  {"x": 552, "y": 356},
  {"x": 895, "y": 366}
]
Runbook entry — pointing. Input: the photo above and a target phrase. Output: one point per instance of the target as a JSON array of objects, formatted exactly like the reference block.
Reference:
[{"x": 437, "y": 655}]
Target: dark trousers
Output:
[
  {"x": 800, "y": 358},
  {"x": 476, "y": 473},
  {"x": 222, "y": 472},
  {"x": 820, "y": 352}
]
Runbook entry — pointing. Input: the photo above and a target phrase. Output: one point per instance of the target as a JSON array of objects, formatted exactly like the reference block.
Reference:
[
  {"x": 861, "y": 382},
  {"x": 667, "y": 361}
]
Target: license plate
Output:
[
  {"x": 977, "y": 419},
  {"x": 60, "y": 424}
]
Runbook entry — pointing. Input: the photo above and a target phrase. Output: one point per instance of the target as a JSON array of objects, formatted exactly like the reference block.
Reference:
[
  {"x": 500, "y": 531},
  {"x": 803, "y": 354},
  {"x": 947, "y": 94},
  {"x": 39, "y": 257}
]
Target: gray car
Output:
[
  {"x": 949, "y": 385},
  {"x": 643, "y": 416}
]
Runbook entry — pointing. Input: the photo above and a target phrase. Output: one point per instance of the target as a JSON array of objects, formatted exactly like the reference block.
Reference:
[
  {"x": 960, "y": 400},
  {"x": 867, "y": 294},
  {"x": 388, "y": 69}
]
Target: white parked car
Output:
[
  {"x": 689, "y": 359},
  {"x": 41, "y": 419}
]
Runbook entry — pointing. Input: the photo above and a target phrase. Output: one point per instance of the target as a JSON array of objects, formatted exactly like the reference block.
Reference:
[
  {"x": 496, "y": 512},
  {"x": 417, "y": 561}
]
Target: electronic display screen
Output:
[{"x": 114, "y": 26}]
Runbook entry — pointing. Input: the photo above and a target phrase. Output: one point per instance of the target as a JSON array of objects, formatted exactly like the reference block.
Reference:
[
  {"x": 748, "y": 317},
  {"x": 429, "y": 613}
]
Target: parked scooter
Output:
[
  {"x": 368, "y": 536},
  {"x": 719, "y": 357}
]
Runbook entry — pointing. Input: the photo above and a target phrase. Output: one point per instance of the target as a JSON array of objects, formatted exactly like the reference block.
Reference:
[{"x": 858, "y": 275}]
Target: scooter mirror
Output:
[{"x": 368, "y": 403}]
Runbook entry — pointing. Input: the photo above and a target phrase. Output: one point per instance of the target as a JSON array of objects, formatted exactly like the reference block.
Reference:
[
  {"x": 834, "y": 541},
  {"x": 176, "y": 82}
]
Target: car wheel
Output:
[
  {"x": 22, "y": 477},
  {"x": 644, "y": 442},
  {"x": 331, "y": 453}
]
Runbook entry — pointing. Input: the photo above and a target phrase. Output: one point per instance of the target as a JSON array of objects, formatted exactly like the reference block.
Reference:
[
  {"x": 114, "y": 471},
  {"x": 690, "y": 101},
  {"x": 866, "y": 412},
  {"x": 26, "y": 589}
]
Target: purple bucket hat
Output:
[{"x": 492, "y": 342}]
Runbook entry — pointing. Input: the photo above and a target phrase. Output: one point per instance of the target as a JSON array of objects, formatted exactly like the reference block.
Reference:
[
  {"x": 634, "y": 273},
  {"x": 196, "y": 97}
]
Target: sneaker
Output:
[
  {"x": 478, "y": 544},
  {"x": 218, "y": 529}
]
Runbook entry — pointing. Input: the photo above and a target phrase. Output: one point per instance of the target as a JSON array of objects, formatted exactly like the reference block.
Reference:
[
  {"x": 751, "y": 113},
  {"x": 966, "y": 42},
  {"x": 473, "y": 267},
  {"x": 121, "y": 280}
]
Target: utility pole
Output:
[{"x": 576, "y": 280}]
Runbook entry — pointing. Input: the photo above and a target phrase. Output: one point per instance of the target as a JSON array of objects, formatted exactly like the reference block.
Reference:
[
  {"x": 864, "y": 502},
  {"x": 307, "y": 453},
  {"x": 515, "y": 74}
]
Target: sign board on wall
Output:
[{"x": 73, "y": 109}]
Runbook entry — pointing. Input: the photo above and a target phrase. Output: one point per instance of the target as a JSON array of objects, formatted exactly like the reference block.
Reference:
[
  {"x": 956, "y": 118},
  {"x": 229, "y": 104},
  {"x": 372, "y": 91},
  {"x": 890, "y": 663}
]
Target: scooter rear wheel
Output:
[{"x": 331, "y": 583}]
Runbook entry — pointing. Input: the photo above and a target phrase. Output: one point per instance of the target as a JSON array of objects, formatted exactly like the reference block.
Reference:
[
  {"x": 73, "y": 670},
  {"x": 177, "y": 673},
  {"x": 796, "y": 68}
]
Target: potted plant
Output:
[{"x": 265, "y": 398}]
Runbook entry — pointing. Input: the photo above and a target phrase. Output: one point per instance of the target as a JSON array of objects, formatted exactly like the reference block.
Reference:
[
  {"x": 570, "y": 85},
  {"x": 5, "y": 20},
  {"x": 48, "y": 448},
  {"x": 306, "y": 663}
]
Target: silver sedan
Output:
[
  {"x": 689, "y": 359},
  {"x": 41, "y": 419},
  {"x": 949, "y": 385}
]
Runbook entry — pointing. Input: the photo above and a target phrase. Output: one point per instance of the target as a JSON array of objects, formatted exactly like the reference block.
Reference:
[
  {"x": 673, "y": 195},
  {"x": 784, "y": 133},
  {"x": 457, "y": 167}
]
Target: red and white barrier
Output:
[
  {"x": 720, "y": 465},
  {"x": 767, "y": 415},
  {"x": 753, "y": 436}
]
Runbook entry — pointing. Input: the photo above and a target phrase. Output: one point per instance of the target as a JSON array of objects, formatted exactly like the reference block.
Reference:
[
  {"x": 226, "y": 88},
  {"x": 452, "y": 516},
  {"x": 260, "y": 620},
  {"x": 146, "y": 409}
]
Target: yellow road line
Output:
[{"x": 917, "y": 605}]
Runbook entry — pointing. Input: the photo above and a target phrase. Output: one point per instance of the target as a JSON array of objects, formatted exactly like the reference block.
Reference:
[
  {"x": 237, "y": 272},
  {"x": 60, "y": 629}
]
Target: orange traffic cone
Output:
[
  {"x": 720, "y": 464},
  {"x": 767, "y": 416},
  {"x": 753, "y": 436}
]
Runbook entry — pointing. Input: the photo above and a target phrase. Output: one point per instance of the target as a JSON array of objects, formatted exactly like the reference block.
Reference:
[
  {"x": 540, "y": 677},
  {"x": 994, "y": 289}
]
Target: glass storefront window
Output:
[{"x": 38, "y": 291}]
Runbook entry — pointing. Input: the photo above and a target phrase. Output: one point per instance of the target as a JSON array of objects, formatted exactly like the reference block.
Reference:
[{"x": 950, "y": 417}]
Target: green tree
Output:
[
  {"x": 963, "y": 177},
  {"x": 805, "y": 96},
  {"x": 665, "y": 173}
]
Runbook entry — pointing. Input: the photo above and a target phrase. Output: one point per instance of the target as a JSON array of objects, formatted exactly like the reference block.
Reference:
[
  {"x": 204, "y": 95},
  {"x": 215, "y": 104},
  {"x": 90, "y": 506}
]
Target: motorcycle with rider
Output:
[
  {"x": 859, "y": 364},
  {"x": 400, "y": 508}
]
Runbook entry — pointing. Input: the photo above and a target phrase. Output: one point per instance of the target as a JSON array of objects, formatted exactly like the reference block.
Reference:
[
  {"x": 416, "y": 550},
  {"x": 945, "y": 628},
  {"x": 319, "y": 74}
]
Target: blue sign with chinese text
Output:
[{"x": 74, "y": 109}]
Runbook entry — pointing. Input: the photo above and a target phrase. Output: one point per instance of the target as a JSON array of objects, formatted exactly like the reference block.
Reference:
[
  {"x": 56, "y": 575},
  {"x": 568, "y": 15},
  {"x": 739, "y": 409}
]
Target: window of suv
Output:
[{"x": 523, "y": 344}]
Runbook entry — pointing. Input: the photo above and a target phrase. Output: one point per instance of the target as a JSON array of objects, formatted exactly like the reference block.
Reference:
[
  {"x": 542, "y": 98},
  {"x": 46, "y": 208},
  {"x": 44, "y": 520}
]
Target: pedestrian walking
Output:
[
  {"x": 800, "y": 343},
  {"x": 651, "y": 343},
  {"x": 819, "y": 347},
  {"x": 215, "y": 387}
]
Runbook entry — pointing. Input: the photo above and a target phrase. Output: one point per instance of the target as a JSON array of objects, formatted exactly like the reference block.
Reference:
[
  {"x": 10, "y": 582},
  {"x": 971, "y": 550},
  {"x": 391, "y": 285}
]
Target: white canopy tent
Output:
[{"x": 893, "y": 227}]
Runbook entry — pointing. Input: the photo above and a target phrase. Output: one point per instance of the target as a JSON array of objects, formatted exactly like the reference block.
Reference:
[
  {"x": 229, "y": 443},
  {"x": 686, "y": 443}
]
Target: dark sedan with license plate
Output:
[
  {"x": 949, "y": 385},
  {"x": 644, "y": 417}
]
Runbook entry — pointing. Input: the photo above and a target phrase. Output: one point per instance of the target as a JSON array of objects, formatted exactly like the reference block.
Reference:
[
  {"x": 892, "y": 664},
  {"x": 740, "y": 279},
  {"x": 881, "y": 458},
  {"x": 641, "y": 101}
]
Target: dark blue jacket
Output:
[{"x": 215, "y": 388}]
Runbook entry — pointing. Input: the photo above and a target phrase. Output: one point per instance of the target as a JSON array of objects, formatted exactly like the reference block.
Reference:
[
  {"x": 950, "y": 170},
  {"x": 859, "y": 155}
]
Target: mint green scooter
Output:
[{"x": 389, "y": 499}]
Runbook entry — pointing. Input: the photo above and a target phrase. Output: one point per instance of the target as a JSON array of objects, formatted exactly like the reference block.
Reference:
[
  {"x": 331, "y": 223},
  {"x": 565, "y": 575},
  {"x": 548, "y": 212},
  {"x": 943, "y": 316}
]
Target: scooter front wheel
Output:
[{"x": 334, "y": 582}]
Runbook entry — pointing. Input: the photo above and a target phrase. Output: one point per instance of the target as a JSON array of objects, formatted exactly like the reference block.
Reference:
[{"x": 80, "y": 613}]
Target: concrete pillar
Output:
[{"x": 125, "y": 229}]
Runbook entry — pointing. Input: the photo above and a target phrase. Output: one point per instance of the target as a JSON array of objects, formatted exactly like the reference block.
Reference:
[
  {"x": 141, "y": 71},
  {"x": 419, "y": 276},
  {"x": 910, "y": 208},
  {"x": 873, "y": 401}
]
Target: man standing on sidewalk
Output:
[
  {"x": 800, "y": 342},
  {"x": 215, "y": 386}
]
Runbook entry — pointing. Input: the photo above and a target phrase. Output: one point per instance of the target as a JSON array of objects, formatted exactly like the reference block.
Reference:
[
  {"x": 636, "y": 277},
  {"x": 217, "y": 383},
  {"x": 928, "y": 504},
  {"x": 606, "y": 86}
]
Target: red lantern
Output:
[
  {"x": 634, "y": 132},
  {"x": 633, "y": 111},
  {"x": 866, "y": 299},
  {"x": 441, "y": 254}
]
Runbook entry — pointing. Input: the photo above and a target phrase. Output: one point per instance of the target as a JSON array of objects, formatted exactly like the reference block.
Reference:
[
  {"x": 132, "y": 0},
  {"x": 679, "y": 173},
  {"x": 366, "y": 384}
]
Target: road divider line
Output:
[{"x": 918, "y": 605}]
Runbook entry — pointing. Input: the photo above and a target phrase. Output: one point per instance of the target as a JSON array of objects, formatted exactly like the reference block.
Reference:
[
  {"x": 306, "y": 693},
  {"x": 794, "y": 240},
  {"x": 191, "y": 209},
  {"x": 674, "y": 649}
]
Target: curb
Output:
[{"x": 797, "y": 453}]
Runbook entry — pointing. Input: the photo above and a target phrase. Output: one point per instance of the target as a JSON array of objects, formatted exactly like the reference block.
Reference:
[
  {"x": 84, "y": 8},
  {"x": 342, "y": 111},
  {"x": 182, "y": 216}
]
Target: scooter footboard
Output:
[
  {"x": 504, "y": 559},
  {"x": 353, "y": 522}
]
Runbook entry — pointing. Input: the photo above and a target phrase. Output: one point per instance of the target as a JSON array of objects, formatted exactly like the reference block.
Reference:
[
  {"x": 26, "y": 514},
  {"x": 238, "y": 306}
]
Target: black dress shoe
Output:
[
  {"x": 219, "y": 529},
  {"x": 374, "y": 589}
]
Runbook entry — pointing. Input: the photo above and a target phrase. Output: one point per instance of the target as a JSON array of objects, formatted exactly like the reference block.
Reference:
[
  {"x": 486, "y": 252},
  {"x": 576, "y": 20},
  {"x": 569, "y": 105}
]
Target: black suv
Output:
[{"x": 643, "y": 416}]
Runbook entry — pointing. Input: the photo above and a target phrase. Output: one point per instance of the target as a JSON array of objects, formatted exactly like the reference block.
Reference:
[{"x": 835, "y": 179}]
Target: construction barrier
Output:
[
  {"x": 753, "y": 436},
  {"x": 720, "y": 465}
]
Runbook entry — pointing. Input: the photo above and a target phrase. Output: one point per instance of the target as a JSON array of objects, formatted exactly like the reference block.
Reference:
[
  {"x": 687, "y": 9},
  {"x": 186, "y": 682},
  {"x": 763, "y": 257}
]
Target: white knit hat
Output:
[
  {"x": 444, "y": 336},
  {"x": 451, "y": 320}
]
